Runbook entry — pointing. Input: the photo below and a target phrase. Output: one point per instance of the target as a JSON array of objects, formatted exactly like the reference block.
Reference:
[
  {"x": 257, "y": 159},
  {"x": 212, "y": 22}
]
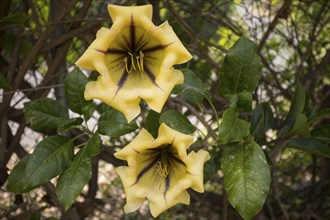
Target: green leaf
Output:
[
  {"x": 246, "y": 177},
  {"x": 241, "y": 101},
  {"x": 73, "y": 180},
  {"x": 297, "y": 106},
  {"x": 75, "y": 83},
  {"x": 17, "y": 181},
  {"x": 241, "y": 69},
  {"x": 152, "y": 123},
  {"x": 300, "y": 126},
  {"x": 19, "y": 18},
  {"x": 317, "y": 116},
  {"x": 114, "y": 124},
  {"x": 4, "y": 83},
  {"x": 311, "y": 145},
  {"x": 177, "y": 121},
  {"x": 262, "y": 120},
  {"x": 322, "y": 133},
  {"x": 70, "y": 124},
  {"x": 49, "y": 159},
  {"x": 193, "y": 89},
  {"x": 232, "y": 129},
  {"x": 45, "y": 114}
]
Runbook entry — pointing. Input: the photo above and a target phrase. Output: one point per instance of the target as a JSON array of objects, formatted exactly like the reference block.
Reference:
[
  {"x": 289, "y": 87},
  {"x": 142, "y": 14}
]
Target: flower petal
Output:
[
  {"x": 134, "y": 195},
  {"x": 195, "y": 163}
]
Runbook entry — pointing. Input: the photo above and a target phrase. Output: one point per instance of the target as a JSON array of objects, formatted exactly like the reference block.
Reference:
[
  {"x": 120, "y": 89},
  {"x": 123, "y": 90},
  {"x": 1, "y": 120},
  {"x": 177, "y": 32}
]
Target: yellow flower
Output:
[
  {"x": 135, "y": 60},
  {"x": 160, "y": 170}
]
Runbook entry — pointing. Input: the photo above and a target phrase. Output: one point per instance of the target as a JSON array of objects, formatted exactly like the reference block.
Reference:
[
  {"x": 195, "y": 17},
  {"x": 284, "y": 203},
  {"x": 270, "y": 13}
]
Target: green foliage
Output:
[
  {"x": 262, "y": 120},
  {"x": 311, "y": 145},
  {"x": 75, "y": 83},
  {"x": 177, "y": 121},
  {"x": 49, "y": 159},
  {"x": 297, "y": 107},
  {"x": 232, "y": 129},
  {"x": 78, "y": 174},
  {"x": 193, "y": 89},
  {"x": 114, "y": 124},
  {"x": 246, "y": 177},
  {"x": 152, "y": 123},
  {"x": 45, "y": 114},
  {"x": 241, "y": 69}
]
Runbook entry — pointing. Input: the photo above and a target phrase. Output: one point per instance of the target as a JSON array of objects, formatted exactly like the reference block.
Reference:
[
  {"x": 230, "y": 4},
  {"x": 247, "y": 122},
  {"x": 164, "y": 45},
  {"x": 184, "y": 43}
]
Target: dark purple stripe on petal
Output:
[
  {"x": 144, "y": 170},
  {"x": 132, "y": 32},
  {"x": 167, "y": 185},
  {"x": 116, "y": 51},
  {"x": 122, "y": 80},
  {"x": 150, "y": 74},
  {"x": 155, "y": 48}
]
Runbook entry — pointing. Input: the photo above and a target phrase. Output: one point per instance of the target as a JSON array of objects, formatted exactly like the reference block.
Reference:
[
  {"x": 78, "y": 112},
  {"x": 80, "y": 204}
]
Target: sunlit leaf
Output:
[{"x": 246, "y": 177}]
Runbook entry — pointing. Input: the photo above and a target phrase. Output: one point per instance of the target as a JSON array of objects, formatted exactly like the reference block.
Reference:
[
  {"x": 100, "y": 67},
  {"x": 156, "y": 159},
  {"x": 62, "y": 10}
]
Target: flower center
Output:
[
  {"x": 162, "y": 166},
  {"x": 134, "y": 62}
]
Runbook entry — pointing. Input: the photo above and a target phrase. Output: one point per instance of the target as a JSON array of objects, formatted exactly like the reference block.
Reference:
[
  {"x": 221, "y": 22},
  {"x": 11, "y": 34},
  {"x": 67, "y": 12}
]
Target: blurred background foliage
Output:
[{"x": 41, "y": 39}]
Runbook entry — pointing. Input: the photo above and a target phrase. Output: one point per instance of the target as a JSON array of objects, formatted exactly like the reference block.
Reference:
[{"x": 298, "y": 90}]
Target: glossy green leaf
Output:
[
  {"x": 70, "y": 124},
  {"x": 262, "y": 120},
  {"x": 177, "y": 121},
  {"x": 297, "y": 106},
  {"x": 232, "y": 128},
  {"x": 17, "y": 181},
  {"x": 311, "y": 145},
  {"x": 300, "y": 126},
  {"x": 75, "y": 83},
  {"x": 152, "y": 123},
  {"x": 241, "y": 69},
  {"x": 114, "y": 124},
  {"x": 193, "y": 89},
  {"x": 45, "y": 114},
  {"x": 246, "y": 177},
  {"x": 73, "y": 180},
  {"x": 322, "y": 133},
  {"x": 49, "y": 159}
]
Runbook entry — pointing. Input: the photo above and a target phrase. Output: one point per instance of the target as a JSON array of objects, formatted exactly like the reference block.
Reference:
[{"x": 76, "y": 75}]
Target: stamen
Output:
[
  {"x": 136, "y": 62},
  {"x": 132, "y": 60},
  {"x": 126, "y": 65},
  {"x": 141, "y": 61},
  {"x": 162, "y": 170}
]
